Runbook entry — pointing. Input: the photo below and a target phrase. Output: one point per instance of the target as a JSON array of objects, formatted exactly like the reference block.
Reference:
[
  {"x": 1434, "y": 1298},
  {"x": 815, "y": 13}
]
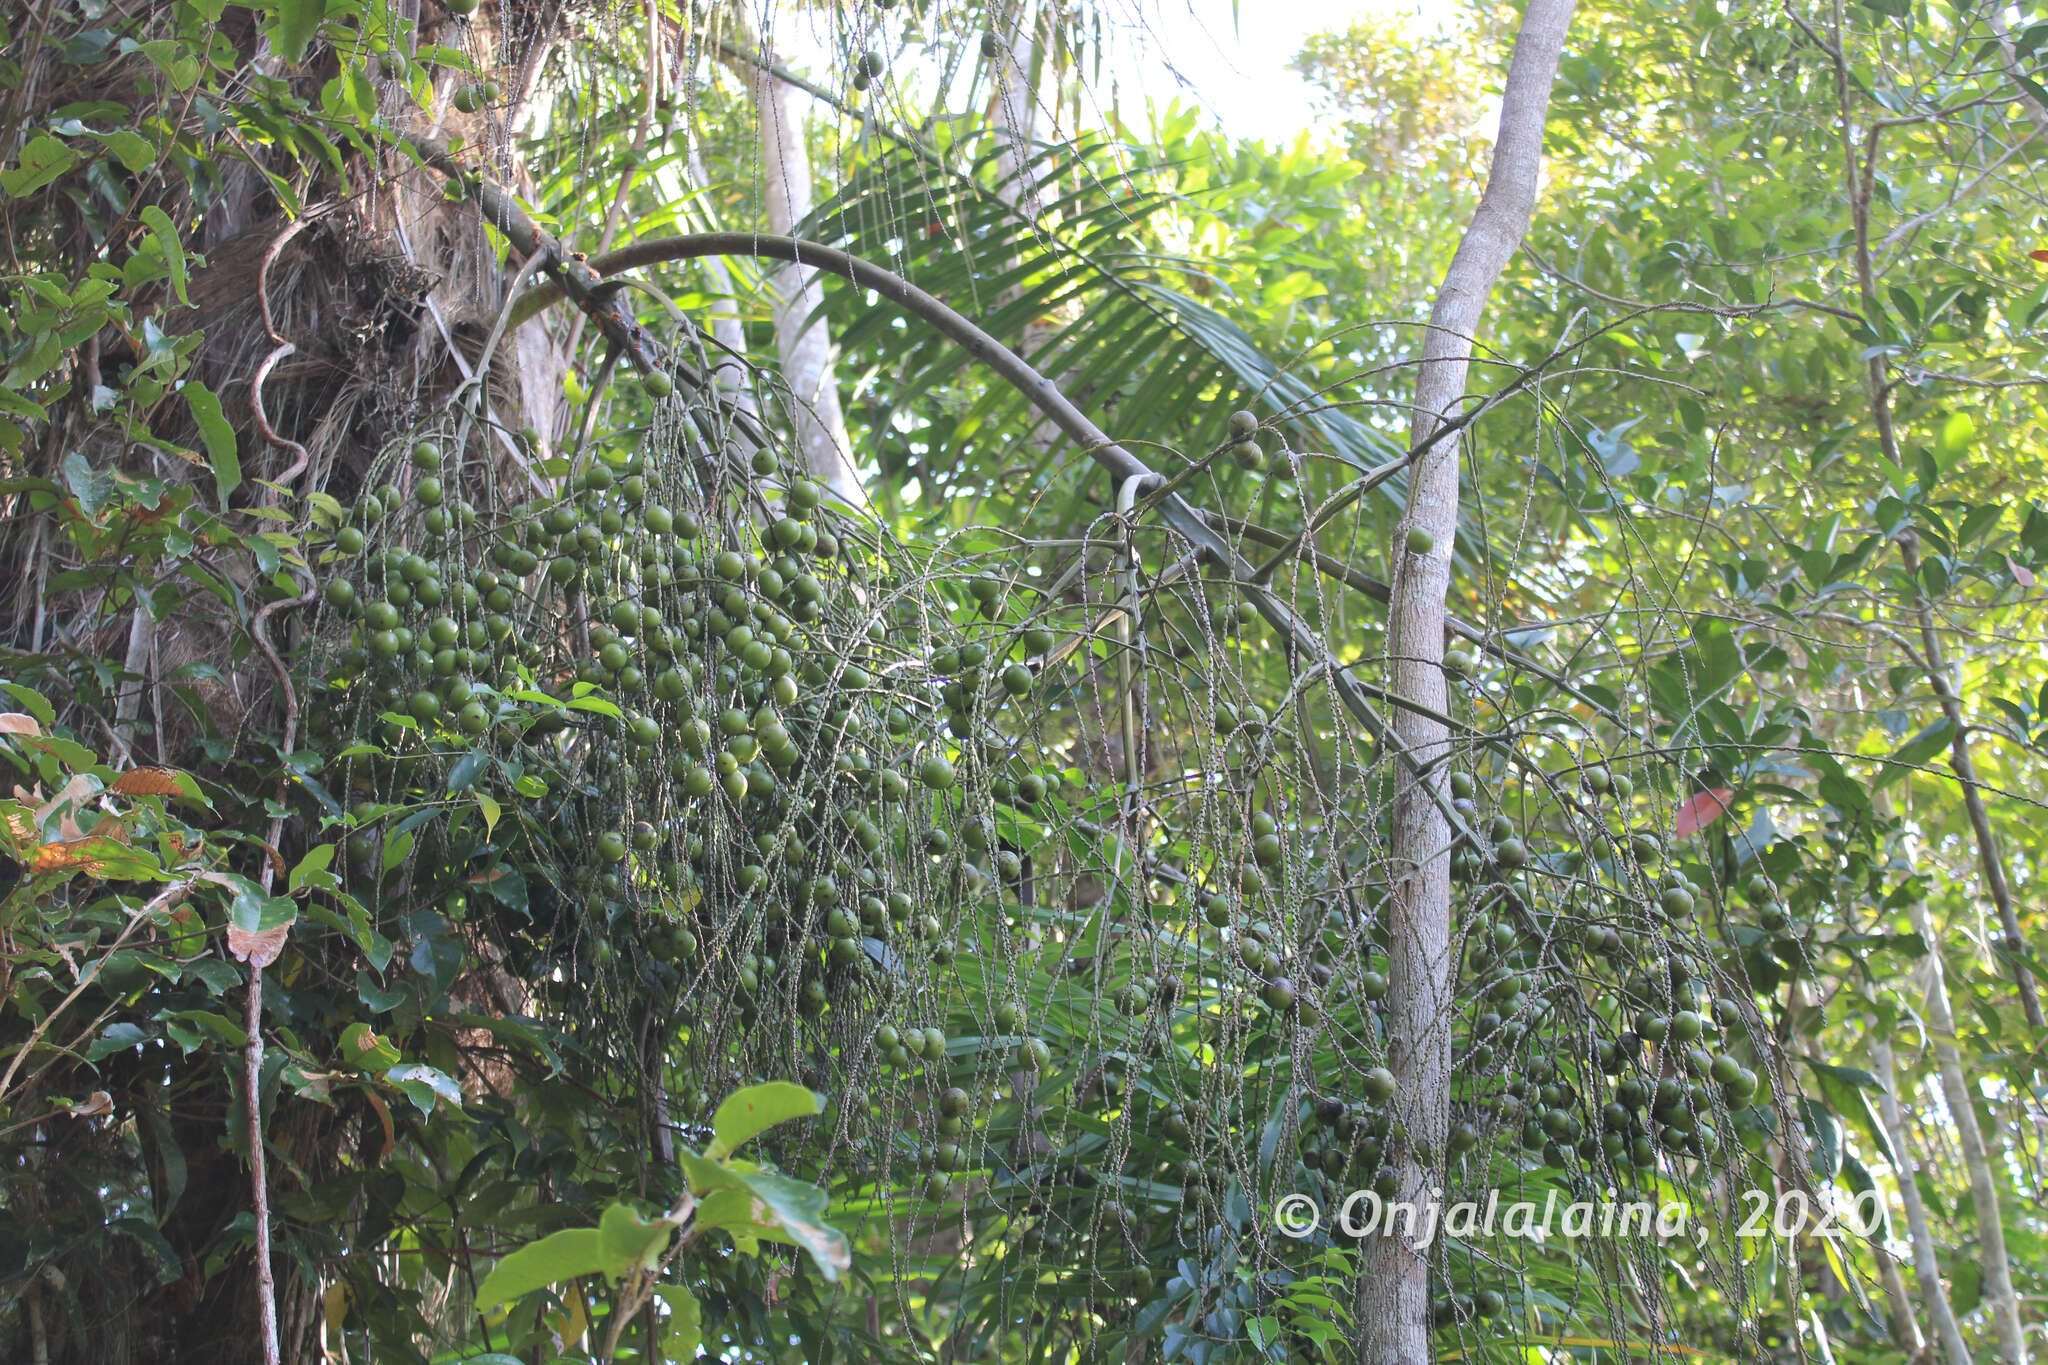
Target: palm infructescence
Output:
[{"x": 774, "y": 680}]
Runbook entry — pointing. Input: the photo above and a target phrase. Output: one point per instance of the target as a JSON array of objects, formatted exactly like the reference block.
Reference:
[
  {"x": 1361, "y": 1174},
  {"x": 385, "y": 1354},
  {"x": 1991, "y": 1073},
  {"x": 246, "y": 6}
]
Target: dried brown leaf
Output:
[
  {"x": 148, "y": 782},
  {"x": 96, "y": 1104},
  {"x": 258, "y": 948}
]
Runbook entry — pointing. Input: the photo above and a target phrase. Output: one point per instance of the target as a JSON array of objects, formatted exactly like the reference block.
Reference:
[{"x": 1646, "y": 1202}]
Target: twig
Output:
[
  {"x": 259, "y": 631},
  {"x": 252, "y": 1108},
  {"x": 280, "y": 346},
  {"x": 163, "y": 900}
]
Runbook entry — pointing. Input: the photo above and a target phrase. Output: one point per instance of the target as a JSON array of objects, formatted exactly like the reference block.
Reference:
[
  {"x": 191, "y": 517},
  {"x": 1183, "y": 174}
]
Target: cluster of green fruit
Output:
[
  {"x": 1588, "y": 1038},
  {"x": 682, "y": 698},
  {"x": 761, "y": 766},
  {"x": 470, "y": 98},
  {"x": 1777, "y": 945},
  {"x": 1601, "y": 934}
]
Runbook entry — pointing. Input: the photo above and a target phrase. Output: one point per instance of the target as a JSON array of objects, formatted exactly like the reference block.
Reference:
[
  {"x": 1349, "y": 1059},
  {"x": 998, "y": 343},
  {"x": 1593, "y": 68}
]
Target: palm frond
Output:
[{"x": 1159, "y": 366}]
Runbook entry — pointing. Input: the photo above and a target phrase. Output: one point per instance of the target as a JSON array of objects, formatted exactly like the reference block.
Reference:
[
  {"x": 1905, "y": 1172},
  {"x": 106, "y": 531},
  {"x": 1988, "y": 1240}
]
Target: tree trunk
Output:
[
  {"x": 1905, "y": 1322},
  {"x": 801, "y": 339},
  {"x": 1421, "y": 958},
  {"x": 1999, "y": 1297},
  {"x": 728, "y": 371},
  {"x": 1926, "y": 1268},
  {"x": 379, "y": 297},
  {"x": 1015, "y": 67}
]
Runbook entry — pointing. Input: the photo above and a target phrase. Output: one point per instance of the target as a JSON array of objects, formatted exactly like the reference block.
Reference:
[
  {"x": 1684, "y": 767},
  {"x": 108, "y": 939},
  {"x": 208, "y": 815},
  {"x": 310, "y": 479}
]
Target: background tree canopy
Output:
[{"x": 781, "y": 681}]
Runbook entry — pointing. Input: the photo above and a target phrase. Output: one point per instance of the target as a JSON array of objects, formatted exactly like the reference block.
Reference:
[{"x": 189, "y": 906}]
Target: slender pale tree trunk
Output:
[
  {"x": 1999, "y": 1296},
  {"x": 1926, "y": 1268},
  {"x": 1015, "y": 114},
  {"x": 1420, "y": 953},
  {"x": 802, "y": 342},
  {"x": 728, "y": 370},
  {"x": 1905, "y": 1322}
]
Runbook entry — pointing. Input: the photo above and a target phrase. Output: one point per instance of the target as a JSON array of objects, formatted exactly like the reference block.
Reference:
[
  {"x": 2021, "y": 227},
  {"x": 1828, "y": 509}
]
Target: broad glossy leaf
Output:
[
  {"x": 756, "y": 1108},
  {"x": 558, "y": 1256}
]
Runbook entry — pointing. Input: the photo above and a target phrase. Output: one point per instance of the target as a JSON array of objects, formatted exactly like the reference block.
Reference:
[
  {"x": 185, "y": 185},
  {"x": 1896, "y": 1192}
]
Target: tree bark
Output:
[
  {"x": 802, "y": 342},
  {"x": 1015, "y": 116},
  {"x": 2000, "y": 1300},
  {"x": 1905, "y": 1322},
  {"x": 728, "y": 371},
  {"x": 1926, "y": 1268},
  {"x": 1421, "y": 959}
]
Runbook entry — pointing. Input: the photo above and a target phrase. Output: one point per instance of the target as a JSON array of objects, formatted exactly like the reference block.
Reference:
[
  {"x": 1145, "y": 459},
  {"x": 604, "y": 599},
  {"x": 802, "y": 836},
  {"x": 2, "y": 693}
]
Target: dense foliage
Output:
[{"x": 464, "y": 734}]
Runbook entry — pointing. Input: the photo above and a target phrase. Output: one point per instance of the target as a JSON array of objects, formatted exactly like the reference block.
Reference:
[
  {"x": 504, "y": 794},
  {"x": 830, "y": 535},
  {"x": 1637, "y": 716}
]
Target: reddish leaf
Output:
[
  {"x": 148, "y": 782},
  {"x": 2039, "y": 255},
  {"x": 390, "y": 1133},
  {"x": 1702, "y": 810},
  {"x": 2021, "y": 574},
  {"x": 277, "y": 863}
]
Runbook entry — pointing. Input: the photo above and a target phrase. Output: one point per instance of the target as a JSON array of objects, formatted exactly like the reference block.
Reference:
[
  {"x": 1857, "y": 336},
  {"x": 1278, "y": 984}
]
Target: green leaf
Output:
[
  {"x": 217, "y": 435},
  {"x": 36, "y": 703},
  {"x": 425, "y": 1085},
  {"x": 93, "y": 488},
  {"x": 466, "y": 770},
  {"x": 706, "y": 1175},
  {"x": 1848, "y": 1075},
  {"x": 297, "y": 22},
  {"x": 684, "y": 1330},
  {"x": 1824, "y": 1154},
  {"x": 1915, "y": 752},
  {"x": 117, "y": 1038},
  {"x": 799, "y": 1219},
  {"x": 165, "y": 232},
  {"x": 378, "y": 999},
  {"x": 733, "y": 1210},
  {"x": 361, "y": 1047},
  {"x": 558, "y": 1256},
  {"x": 112, "y": 860},
  {"x": 219, "y": 1025},
  {"x": 632, "y": 1240},
  {"x": 757, "y": 1107},
  {"x": 42, "y": 160},
  {"x": 314, "y": 864},
  {"x": 131, "y": 149},
  {"x": 254, "y": 912},
  {"x": 1847, "y": 1090}
]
